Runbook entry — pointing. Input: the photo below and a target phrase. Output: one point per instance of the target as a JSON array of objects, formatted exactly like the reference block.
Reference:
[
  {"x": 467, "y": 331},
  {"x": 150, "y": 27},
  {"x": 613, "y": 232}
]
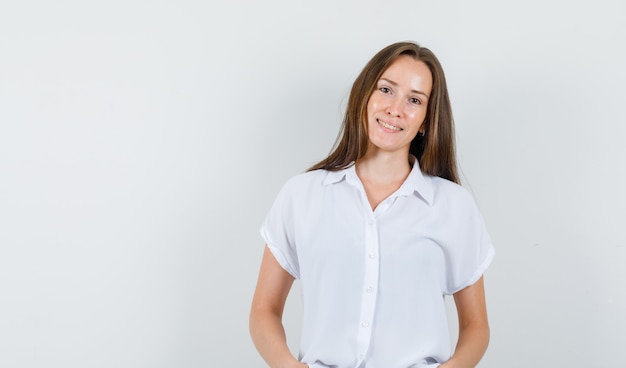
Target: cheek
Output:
[
  {"x": 374, "y": 104},
  {"x": 417, "y": 115},
  {"x": 413, "y": 116}
]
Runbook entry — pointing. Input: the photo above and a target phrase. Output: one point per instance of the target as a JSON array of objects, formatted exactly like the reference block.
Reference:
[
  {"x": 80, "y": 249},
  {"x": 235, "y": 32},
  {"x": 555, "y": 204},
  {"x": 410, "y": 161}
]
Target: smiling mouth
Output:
[{"x": 388, "y": 126}]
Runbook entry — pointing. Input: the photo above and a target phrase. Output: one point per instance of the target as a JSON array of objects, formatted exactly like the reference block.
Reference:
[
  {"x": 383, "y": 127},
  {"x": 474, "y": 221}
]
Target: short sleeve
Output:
[
  {"x": 469, "y": 249},
  {"x": 278, "y": 230}
]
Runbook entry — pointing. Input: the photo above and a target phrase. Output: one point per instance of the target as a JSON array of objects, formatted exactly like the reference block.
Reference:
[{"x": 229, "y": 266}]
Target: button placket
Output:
[{"x": 370, "y": 281}]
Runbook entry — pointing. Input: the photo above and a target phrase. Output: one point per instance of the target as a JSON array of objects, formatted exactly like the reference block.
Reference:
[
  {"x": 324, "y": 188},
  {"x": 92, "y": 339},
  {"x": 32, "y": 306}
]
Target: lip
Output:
[{"x": 389, "y": 127}]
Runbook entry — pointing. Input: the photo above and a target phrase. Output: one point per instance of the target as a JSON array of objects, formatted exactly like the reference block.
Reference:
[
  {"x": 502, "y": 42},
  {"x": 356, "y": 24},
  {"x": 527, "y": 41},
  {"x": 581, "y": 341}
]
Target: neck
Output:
[
  {"x": 383, "y": 167},
  {"x": 382, "y": 173}
]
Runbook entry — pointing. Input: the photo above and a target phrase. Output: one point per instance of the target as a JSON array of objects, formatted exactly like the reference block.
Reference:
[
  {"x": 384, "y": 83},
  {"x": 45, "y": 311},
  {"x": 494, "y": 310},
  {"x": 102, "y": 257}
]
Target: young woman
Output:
[{"x": 378, "y": 233}]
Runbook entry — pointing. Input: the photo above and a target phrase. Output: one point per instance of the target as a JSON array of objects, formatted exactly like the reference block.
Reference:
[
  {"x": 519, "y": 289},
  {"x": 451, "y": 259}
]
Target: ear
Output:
[{"x": 422, "y": 129}]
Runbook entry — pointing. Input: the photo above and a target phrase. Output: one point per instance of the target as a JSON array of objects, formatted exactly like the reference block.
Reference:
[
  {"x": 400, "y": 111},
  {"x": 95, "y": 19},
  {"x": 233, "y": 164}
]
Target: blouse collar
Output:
[{"x": 417, "y": 182}]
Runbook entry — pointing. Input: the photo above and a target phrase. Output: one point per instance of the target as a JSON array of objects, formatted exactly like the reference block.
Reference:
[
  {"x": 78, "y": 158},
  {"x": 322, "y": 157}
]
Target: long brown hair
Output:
[{"x": 435, "y": 150}]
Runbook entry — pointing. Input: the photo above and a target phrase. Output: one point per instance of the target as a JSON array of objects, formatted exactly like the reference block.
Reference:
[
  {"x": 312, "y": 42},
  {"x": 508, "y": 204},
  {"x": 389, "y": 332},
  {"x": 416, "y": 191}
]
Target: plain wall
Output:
[{"x": 142, "y": 143}]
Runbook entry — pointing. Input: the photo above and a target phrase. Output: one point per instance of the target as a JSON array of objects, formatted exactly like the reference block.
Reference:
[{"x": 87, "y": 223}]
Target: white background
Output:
[{"x": 142, "y": 143}]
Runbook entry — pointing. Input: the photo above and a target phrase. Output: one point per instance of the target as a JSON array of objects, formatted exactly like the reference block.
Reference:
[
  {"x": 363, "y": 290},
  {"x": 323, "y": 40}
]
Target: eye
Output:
[
  {"x": 385, "y": 90},
  {"x": 415, "y": 101}
]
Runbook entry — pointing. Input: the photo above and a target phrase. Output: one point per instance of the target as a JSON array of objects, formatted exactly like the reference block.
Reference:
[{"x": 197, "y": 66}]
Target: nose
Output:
[{"x": 395, "y": 107}]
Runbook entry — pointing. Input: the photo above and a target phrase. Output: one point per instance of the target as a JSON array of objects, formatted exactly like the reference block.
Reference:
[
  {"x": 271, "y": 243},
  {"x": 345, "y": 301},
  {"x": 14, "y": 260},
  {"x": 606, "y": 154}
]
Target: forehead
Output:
[{"x": 409, "y": 71}]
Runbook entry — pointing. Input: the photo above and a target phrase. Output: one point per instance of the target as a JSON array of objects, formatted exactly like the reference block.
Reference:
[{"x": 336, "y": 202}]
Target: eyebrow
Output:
[{"x": 396, "y": 84}]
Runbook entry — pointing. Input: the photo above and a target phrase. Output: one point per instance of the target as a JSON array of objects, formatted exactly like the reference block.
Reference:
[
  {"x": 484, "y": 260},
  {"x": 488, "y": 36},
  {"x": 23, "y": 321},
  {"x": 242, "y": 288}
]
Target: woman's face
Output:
[{"x": 397, "y": 108}]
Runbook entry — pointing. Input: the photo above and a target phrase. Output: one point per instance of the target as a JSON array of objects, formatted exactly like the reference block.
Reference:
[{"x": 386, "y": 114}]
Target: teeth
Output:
[{"x": 388, "y": 126}]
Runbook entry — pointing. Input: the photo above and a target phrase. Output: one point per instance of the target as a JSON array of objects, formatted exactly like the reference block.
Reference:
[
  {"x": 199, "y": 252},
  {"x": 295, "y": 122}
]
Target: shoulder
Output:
[
  {"x": 458, "y": 209},
  {"x": 301, "y": 191},
  {"x": 315, "y": 177},
  {"x": 304, "y": 183},
  {"x": 448, "y": 192}
]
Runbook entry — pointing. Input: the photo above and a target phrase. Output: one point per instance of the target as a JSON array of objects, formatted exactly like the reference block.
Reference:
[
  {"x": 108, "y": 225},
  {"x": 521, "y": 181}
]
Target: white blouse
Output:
[{"x": 373, "y": 282}]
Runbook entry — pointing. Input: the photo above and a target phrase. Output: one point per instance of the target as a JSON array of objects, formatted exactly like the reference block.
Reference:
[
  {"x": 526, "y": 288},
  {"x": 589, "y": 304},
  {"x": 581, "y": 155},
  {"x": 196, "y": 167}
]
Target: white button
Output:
[
  {"x": 369, "y": 289},
  {"x": 372, "y": 255},
  {"x": 365, "y": 324}
]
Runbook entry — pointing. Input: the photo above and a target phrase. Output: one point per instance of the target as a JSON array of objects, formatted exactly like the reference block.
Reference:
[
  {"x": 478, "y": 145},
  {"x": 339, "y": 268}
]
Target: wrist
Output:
[
  {"x": 448, "y": 364},
  {"x": 295, "y": 364}
]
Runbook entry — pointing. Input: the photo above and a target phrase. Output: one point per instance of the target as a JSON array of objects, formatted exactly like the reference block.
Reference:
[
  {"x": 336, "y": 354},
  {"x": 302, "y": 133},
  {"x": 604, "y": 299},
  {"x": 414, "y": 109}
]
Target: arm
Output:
[
  {"x": 266, "y": 314},
  {"x": 473, "y": 327}
]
